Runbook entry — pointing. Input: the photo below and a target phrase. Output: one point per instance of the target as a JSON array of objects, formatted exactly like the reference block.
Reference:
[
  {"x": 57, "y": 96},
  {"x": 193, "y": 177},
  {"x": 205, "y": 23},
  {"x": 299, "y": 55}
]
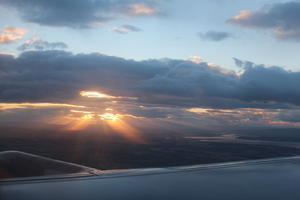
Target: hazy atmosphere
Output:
[{"x": 206, "y": 78}]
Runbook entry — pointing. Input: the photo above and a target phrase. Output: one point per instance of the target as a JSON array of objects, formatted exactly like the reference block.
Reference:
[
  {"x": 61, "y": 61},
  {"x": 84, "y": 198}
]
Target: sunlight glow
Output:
[
  {"x": 198, "y": 110},
  {"x": 81, "y": 123},
  {"x": 80, "y": 111},
  {"x": 95, "y": 94},
  {"x": 87, "y": 117},
  {"x": 126, "y": 130},
  {"x": 109, "y": 116},
  {"x": 80, "y": 120}
]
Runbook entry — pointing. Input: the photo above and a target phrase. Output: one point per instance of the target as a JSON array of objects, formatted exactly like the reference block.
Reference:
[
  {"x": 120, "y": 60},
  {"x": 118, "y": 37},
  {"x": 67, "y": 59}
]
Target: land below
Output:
[{"x": 115, "y": 152}]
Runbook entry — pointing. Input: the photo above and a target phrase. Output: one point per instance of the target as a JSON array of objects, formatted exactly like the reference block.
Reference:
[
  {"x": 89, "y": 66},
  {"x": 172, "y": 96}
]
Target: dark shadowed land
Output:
[
  {"x": 115, "y": 152},
  {"x": 272, "y": 134}
]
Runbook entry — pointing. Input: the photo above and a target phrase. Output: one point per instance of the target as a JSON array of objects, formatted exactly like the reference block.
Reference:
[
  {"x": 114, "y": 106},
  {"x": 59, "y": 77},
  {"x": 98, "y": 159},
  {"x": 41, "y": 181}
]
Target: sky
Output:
[{"x": 133, "y": 65}]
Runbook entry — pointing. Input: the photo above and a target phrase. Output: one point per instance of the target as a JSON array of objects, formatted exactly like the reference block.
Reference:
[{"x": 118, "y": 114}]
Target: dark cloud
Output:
[
  {"x": 238, "y": 62},
  {"x": 126, "y": 28},
  {"x": 289, "y": 115},
  {"x": 243, "y": 64},
  {"x": 261, "y": 83},
  {"x": 39, "y": 44},
  {"x": 281, "y": 18},
  {"x": 58, "y": 76},
  {"x": 215, "y": 35},
  {"x": 30, "y": 117},
  {"x": 200, "y": 84},
  {"x": 79, "y": 13},
  {"x": 155, "y": 112}
]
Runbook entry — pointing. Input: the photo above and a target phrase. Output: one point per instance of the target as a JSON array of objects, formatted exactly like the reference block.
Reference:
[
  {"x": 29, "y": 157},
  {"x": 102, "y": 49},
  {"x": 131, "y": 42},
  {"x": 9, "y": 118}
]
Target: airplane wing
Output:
[{"x": 272, "y": 179}]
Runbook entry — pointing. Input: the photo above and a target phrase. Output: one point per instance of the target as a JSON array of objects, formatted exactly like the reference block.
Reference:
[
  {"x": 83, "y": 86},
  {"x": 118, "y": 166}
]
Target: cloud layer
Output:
[
  {"x": 215, "y": 35},
  {"x": 79, "y": 13},
  {"x": 281, "y": 18},
  {"x": 39, "y": 44},
  {"x": 59, "y": 76},
  {"x": 126, "y": 28}
]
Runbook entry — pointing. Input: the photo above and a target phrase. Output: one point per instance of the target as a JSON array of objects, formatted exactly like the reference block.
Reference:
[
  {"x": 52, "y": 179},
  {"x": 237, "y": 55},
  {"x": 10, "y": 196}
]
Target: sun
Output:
[
  {"x": 109, "y": 116},
  {"x": 95, "y": 94},
  {"x": 108, "y": 122}
]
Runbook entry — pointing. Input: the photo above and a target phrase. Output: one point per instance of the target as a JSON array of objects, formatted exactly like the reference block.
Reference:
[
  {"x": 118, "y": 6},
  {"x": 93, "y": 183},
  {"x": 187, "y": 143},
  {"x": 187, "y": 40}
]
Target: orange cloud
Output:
[
  {"x": 244, "y": 14},
  {"x": 142, "y": 9},
  {"x": 10, "y": 34},
  {"x": 195, "y": 59},
  {"x": 6, "y": 53},
  {"x": 7, "y": 106}
]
